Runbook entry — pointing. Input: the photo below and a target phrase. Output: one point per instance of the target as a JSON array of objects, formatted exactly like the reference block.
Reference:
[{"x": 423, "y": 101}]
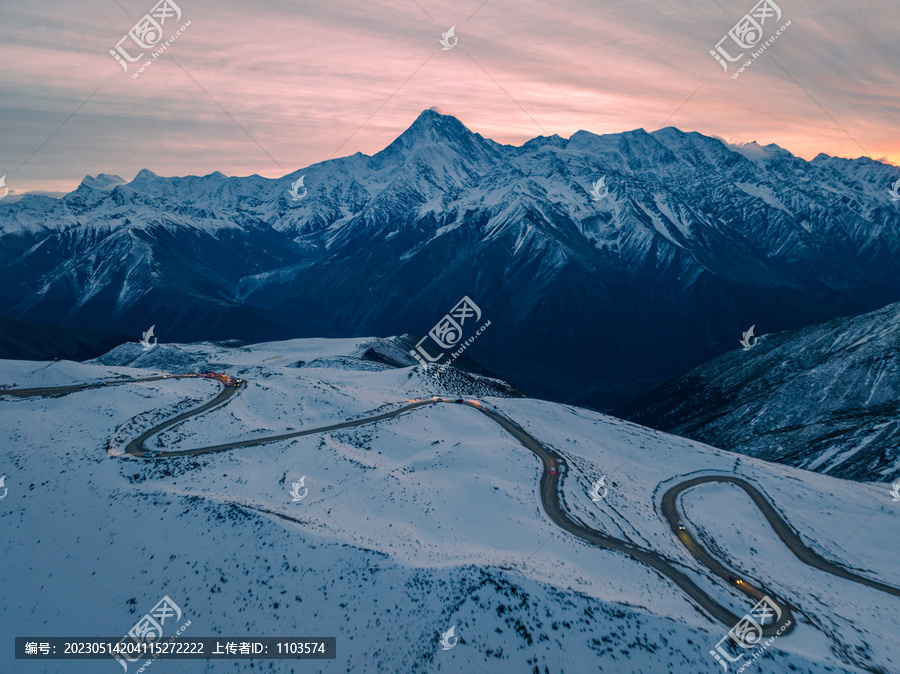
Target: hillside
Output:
[
  {"x": 824, "y": 398},
  {"x": 411, "y": 525}
]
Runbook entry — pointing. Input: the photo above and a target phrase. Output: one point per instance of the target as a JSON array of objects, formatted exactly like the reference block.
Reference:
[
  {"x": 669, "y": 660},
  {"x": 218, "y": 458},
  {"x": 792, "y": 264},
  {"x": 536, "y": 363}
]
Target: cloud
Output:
[
  {"x": 276, "y": 87},
  {"x": 13, "y": 197}
]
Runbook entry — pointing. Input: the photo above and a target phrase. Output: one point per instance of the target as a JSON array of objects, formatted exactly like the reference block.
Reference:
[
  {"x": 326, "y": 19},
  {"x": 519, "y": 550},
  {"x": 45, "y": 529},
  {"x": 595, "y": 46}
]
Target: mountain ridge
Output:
[
  {"x": 822, "y": 398},
  {"x": 386, "y": 244}
]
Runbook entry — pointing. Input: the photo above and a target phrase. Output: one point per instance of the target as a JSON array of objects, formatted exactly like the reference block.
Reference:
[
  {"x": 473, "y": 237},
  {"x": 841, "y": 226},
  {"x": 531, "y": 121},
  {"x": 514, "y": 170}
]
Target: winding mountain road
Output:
[
  {"x": 55, "y": 391},
  {"x": 553, "y": 467},
  {"x": 785, "y": 532},
  {"x": 136, "y": 446}
]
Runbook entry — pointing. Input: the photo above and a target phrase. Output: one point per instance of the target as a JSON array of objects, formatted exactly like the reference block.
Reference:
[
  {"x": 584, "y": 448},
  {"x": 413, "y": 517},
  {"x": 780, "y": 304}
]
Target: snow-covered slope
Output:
[
  {"x": 695, "y": 241},
  {"x": 411, "y": 525},
  {"x": 824, "y": 398}
]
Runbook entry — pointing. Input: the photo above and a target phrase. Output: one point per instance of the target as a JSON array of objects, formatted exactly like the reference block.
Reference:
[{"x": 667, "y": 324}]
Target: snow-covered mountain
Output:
[
  {"x": 824, "y": 398},
  {"x": 410, "y": 525},
  {"x": 589, "y": 300}
]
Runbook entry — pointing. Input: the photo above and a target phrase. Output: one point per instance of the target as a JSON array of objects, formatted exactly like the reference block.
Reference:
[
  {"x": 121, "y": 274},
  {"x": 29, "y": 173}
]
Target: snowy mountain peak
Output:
[
  {"x": 625, "y": 141},
  {"x": 438, "y": 142},
  {"x": 432, "y": 127},
  {"x": 104, "y": 181},
  {"x": 435, "y": 123},
  {"x": 144, "y": 175},
  {"x": 554, "y": 140},
  {"x": 761, "y": 153}
]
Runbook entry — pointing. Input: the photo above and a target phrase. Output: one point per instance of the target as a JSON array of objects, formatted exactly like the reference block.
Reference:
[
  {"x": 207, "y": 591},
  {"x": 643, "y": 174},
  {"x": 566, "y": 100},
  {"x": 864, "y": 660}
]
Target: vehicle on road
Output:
[
  {"x": 681, "y": 526},
  {"x": 734, "y": 579}
]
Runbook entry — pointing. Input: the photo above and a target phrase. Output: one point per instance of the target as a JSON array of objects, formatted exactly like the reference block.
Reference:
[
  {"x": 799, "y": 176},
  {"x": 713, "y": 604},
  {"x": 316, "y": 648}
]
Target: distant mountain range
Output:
[
  {"x": 824, "y": 398},
  {"x": 590, "y": 301}
]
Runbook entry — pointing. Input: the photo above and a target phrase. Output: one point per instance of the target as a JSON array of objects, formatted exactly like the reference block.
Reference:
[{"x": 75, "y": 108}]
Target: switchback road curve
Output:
[
  {"x": 554, "y": 466},
  {"x": 785, "y": 532},
  {"x": 136, "y": 446}
]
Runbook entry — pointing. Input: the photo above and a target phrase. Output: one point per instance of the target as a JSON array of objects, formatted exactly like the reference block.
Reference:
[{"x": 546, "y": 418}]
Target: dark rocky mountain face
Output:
[
  {"x": 21, "y": 340},
  {"x": 590, "y": 301},
  {"x": 824, "y": 398}
]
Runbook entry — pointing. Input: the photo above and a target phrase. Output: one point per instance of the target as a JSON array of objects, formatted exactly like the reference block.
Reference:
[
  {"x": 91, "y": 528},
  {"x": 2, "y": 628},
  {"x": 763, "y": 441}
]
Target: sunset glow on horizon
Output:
[{"x": 270, "y": 90}]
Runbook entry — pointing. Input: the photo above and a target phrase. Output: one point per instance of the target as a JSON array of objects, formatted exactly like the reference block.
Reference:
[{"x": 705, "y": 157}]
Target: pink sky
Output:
[{"x": 272, "y": 88}]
